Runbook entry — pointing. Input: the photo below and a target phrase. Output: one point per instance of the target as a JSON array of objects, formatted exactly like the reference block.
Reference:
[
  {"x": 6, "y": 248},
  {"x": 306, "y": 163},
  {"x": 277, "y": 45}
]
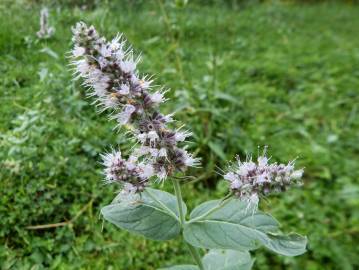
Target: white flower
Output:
[
  {"x": 263, "y": 178},
  {"x": 236, "y": 183},
  {"x": 153, "y": 152},
  {"x": 147, "y": 170},
  {"x": 102, "y": 61},
  {"x": 94, "y": 76},
  {"x": 142, "y": 137},
  {"x": 297, "y": 174},
  {"x": 130, "y": 165},
  {"x": 141, "y": 151},
  {"x": 162, "y": 174},
  {"x": 115, "y": 44},
  {"x": 128, "y": 66},
  {"x": 82, "y": 67},
  {"x": 112, "y": 162},
  {"x": 168, "y": 118},
  {"x": 128, "y": 192},
  {"x": 157, "y": 97},
  {"x": 109, "y": 102},
  {"x": 124, "y": 90},
  {"x": 180, "y": 136},
  {"x": 162, "y": 152},
  {"x": 120, "y": 54},
  {"x": 105, "y": 51},
  {"x": 124, "y": 116},
  {"x": 262, "y": 161},
  {"x": 231, "y": 176},
  {"x": 134, "y": 79},
  {"x": 246, "y": 167},
  {"x": 153, "y": 137},
  {"x": 99, "y": 88},
  {"x": 78, "y": 51},
  {"x": 189, "y": 160},
  {"x": 133, "y": 158},
  {"x": 111, "y": 158},
  {"x": 145, "y": 84}
]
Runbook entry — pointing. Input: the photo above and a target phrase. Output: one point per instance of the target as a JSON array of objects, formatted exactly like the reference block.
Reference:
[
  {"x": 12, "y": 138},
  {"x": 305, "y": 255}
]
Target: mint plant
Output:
[{"x": 228, "y": 228}]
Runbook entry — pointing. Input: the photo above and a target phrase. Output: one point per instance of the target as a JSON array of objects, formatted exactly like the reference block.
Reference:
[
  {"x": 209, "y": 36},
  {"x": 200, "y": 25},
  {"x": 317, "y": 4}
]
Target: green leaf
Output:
[
  {"x": 217, "y": 149},
  {"x": 181, "y": 267},
  {"x": 227, "y": 260},
  {"x": 289, "y": 245},
  {"x": 50, "y": 52},
  {"x": 233, "y": 225},
  {"x": 227, "y": 97},
  {"x": 153, "y": 214}
]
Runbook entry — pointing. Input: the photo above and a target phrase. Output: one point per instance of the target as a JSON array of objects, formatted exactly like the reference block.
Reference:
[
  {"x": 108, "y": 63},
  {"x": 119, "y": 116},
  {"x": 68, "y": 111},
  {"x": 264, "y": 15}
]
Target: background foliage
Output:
[{"x": 242, "y": 74}]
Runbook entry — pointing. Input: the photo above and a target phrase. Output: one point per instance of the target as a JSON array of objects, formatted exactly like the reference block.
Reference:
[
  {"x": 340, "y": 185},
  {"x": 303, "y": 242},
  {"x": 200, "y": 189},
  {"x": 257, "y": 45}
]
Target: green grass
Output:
[{"x": 282, "y": 75}]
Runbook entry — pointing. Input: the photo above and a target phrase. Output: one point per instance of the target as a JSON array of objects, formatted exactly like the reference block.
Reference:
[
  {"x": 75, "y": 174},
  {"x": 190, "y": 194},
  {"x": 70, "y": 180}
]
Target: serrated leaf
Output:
[
  {"x": 181, "y": 267},
  {"x": 227, "y": 260},
  {"x": 154, "y": 214},
  {"x": 235, "y": 226}
]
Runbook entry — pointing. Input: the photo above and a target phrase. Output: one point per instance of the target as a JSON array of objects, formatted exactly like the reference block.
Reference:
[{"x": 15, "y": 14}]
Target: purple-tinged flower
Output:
[
  {"x": 127, "y": 173},
  {"x": 249, "y": 180},
  {"x": 109, "y": 70}
]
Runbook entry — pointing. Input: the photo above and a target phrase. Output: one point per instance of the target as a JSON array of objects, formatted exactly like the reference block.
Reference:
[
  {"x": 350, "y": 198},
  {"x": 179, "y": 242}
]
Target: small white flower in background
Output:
[
  {"x": 109, "y": 70},
  {"x": 249, "y": 180},
  {"x": 45, "y": 31}
]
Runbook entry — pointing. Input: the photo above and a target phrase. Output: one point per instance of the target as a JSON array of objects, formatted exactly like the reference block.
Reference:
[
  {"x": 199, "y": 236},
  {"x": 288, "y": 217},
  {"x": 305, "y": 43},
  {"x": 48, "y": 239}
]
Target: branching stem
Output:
[{"x": 194, "y": 252}]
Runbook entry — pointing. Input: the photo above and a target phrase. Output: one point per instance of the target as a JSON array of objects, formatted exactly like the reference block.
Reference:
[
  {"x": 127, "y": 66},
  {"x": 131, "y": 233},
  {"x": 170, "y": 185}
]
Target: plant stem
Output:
[
  {"x": 178, "y": 193},
  {"x": 194, "y": 252},
  {"x": 195, "y": 255}
]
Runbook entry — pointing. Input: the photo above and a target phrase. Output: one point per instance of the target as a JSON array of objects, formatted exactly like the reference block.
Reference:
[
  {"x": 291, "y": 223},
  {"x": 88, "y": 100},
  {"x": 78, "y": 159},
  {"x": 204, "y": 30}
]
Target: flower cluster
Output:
[
  {"x": 109, "y": 70},
  {"x": 134, "y": 175},
  {"x": 45, "y": 30},
  {"x": 248, "y": 180}
]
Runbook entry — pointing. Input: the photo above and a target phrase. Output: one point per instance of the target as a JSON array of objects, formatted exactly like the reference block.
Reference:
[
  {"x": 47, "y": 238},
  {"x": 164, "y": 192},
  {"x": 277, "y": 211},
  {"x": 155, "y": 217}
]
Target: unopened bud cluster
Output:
[
  {"x": 109, "y": 69},
  {"x": 249, "y": 180}
]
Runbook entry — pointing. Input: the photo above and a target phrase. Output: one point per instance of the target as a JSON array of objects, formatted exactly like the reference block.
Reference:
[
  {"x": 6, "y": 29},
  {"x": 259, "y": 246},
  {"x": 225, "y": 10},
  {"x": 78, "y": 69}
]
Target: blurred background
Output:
[{"x": 243, "y": 74}]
